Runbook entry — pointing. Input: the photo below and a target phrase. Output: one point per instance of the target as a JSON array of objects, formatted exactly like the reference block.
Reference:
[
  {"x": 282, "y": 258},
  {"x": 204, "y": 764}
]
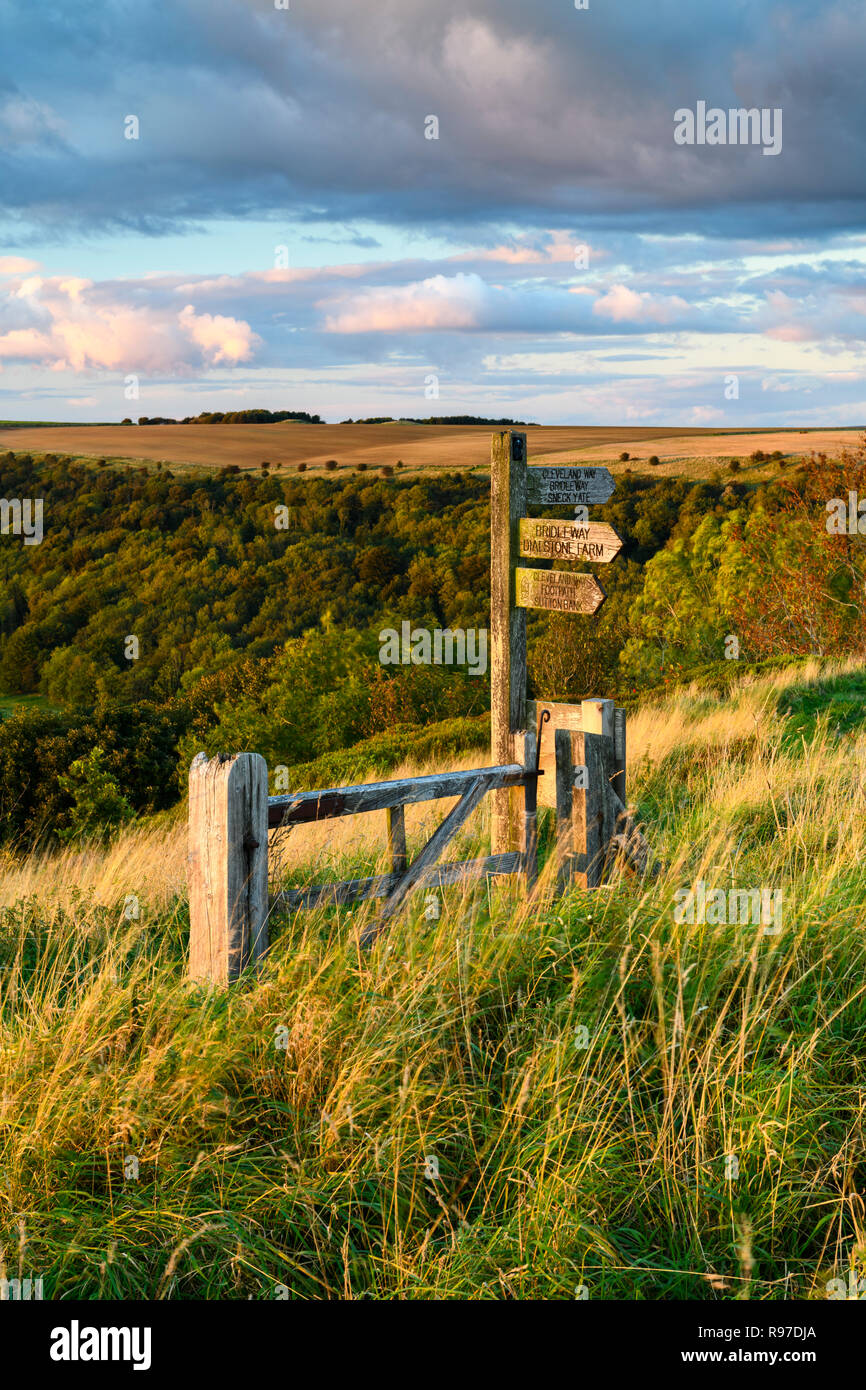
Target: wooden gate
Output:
[
  {"x": 230, "y": 814},
  {"x": 582, "y": 763}
]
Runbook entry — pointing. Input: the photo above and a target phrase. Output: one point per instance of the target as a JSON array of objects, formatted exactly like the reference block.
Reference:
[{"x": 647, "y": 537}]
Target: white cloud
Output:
[
  {"x": 222, "y": 339},
  {"x": 623, "y": 305},
  {"x": 441, "y": 301},
  {"x": 70, "y": 326}
]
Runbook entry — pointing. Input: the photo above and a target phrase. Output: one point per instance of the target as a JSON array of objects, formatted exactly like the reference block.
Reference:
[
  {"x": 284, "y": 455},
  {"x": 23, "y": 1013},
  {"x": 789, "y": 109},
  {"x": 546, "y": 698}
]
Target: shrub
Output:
[
  {"x": 302, "y": 468},
  {"x": 387, "y": 470},
  {"x": 399, "y": 463},
  {"x": 734, "y": 465},
  {"x": 362, "y": 467},
  {"x": 653, "y": 460},
  {"x": 758, "y": 456},
  {"x": 265, "y": 467},
  {"x": 623, "y": 458},
  {"x": 39, "y": 747},
  {"x": 331, "y": 465},
  {"x": 98, "y": 804}
]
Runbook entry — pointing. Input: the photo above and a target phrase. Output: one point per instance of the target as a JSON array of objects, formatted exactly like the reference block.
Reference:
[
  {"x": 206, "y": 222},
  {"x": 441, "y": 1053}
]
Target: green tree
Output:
[
  {"x": 681, "y": 617},
  {"x": 98, "y": 804}
]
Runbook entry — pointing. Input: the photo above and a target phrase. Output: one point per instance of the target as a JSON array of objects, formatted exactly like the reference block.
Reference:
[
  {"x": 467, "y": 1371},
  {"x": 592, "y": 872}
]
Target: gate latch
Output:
[{"x": 545, "y": 716}]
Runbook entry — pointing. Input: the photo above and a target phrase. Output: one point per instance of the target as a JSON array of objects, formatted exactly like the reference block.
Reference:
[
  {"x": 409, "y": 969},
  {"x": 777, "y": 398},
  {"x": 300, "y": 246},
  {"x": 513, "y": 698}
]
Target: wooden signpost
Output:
[
  {"x": 541, "y": 539},
  {"x": 568, "y": 486},
  {"x": 558, "y": 591},
  {"x": 581, "y": 760}
]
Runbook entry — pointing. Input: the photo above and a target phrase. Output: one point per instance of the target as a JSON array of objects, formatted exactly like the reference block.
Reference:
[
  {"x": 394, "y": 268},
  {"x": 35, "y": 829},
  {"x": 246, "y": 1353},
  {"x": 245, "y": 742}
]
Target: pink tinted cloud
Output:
[
  {"x": 782, "y": 319},
  {"x": 623, "y": 305},
  {"x": 221, "y": 338},
  {"x": 560, "y": 248},
  {"x": 70, "y": 328},
  {"x": 25, "y": 343},
  {"x": 451, "y": 302},
  {"x": 16, "y": 265}
]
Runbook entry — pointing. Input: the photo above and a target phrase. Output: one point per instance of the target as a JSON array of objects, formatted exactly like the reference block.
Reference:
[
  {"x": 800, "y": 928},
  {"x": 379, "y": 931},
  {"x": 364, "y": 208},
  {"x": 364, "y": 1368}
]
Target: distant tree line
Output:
[
  {"x": 231, "y": 417},
  {"x": 440, "y": 420}
]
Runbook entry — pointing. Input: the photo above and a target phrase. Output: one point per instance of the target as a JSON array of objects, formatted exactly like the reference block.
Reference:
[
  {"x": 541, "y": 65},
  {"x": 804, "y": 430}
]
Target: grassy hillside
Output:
[{"x": 284, "y": 1130}]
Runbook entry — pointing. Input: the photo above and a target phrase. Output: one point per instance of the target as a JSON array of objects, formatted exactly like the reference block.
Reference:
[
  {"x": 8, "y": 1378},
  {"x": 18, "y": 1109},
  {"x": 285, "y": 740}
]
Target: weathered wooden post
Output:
[
  {"x": 593, "y": 824},
  {"x": 397, "y": 839},
  {"x": 586, "y": 805},
  {"x": 507, "y": 628},
  {"x": 618, "y": 783},
  {"x": 593, "y": 806},
  {"x": 228, "y": 864},
  {"x": 566, "y": 752},
  {"x": 527, "y": 750}
]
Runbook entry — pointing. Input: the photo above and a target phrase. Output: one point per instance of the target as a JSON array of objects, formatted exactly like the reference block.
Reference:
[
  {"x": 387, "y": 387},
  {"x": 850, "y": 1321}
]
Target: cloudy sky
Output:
[{"x": 284, "y": 230}]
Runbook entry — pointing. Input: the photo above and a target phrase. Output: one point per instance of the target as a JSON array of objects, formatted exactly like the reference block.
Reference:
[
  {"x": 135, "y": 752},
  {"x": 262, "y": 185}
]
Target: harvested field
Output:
[{"x": 418, "y": 447}]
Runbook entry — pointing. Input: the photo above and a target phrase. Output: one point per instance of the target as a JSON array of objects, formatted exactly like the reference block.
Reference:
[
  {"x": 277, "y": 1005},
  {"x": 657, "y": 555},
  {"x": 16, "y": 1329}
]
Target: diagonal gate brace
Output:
[{"x": 428, "y": 856}]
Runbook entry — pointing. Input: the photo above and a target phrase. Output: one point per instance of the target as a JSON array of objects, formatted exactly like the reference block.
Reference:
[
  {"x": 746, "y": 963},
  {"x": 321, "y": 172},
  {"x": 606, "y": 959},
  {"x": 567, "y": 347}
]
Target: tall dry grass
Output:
[{"x": 580, "y": 1071}]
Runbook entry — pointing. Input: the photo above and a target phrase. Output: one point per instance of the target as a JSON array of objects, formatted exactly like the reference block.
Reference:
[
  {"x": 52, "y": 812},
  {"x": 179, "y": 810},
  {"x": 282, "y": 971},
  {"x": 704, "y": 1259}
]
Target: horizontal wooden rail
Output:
[
  {"x": 298, "y": 807},
  {"x": 359, "y": 889}
]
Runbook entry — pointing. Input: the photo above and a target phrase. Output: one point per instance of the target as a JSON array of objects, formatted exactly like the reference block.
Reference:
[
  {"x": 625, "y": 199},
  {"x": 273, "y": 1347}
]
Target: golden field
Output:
[{"x": 286, "y": 444}]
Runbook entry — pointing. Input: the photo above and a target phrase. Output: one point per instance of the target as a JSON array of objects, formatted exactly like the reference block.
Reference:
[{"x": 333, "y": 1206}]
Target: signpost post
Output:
[
  {"x": 507, "y": 628},
  {"x": 514, "y": 587}
]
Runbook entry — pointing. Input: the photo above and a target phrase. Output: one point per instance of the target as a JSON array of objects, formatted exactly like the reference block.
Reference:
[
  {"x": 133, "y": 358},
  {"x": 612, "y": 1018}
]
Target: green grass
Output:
[
  {"x": 10, "y": 703},
  {"x": 283, "y": 1128},
  {"x": 837, "y": 704}
]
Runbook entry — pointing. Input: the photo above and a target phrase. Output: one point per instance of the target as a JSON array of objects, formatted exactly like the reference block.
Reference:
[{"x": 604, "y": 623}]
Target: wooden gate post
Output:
[
  {"x": 587, "y": 806},
  {"x": 567, "y": 760},
  {"x": 228, "y": 864},
  {"x": 527, "y": 750},
  {"x": 507, "y": 629}
]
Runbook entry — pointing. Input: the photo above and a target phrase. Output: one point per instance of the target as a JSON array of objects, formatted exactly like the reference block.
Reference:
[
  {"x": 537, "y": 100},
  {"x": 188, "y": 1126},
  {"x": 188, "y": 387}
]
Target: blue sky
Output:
[{"x": 283, "y": 233}]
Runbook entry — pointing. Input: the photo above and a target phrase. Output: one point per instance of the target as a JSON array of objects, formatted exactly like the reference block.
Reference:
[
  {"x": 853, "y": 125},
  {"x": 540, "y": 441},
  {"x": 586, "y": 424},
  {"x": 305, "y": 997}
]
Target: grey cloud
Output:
[{"x": 544, "y": 111}]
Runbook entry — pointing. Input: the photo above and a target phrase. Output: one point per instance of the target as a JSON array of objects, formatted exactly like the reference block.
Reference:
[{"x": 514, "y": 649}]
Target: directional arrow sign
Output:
[
  {"x": 568, "y": 486},
  {"x": 568, "y": 540},
  {"x": 558, "y": 590}
]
